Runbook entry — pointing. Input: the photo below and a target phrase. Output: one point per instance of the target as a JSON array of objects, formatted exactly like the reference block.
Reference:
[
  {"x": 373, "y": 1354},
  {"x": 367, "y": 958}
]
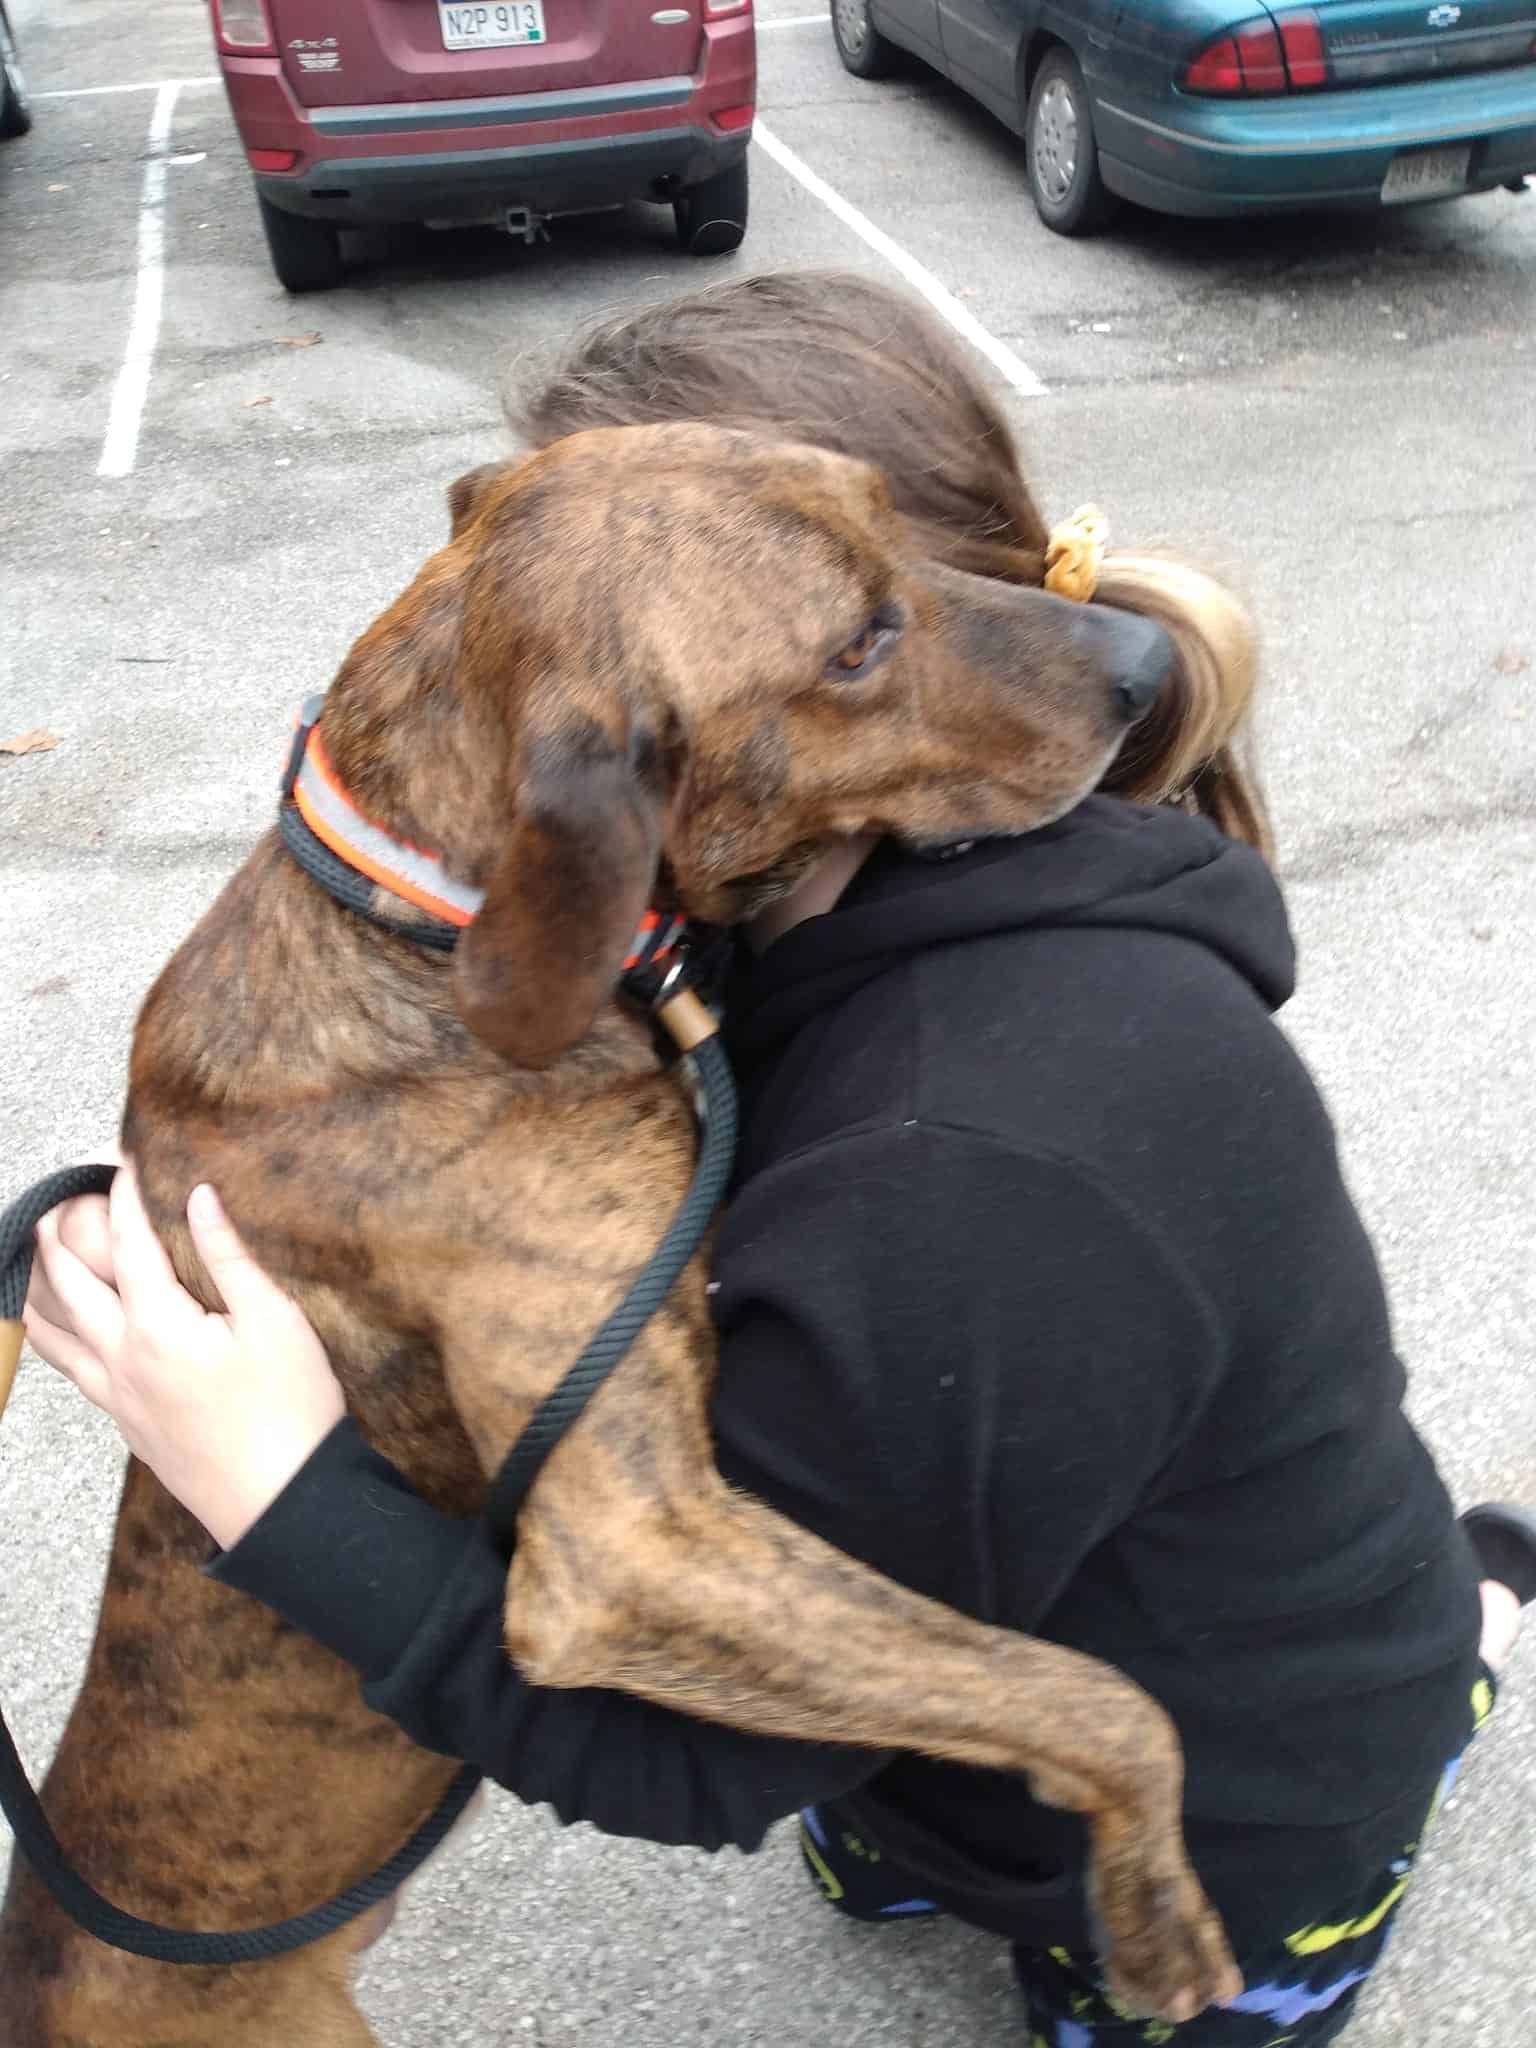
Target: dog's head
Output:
[{"x": 687, "y": 658}]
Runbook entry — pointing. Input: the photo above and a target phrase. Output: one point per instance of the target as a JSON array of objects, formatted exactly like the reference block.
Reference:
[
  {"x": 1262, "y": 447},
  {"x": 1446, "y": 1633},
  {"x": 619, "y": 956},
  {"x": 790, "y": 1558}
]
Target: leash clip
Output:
[
  {"x": 654, "y": 985},
  {"x": 655, "y": 967},
  {"x": 655, "y": 978}
]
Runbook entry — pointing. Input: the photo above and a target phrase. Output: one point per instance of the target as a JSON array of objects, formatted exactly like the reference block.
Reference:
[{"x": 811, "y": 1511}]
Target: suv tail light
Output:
[
  {"x": 243, "y": 24},
  {"x": 1279, "y": 53}
]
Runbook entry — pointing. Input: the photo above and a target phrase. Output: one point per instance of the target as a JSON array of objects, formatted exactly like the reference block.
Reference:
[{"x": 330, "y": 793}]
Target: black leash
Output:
[
  {"x": 559, "y": 1409},
  {"x": 659, "y": 986}
]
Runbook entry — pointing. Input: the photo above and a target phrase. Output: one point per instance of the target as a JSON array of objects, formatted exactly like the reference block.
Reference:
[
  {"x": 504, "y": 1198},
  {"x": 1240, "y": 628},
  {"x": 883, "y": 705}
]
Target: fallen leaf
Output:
[
  {"x": 297, "y": 340},
  {"x": 1511, "y": 662},
  {"x": 58, "y": 188},
  {"x": 265, "y": 399},
  {"x": 38, "y": 741}
]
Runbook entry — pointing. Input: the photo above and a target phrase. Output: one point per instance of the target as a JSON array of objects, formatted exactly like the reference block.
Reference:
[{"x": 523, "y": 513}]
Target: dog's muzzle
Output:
[{"x": 1134, "y": 654}]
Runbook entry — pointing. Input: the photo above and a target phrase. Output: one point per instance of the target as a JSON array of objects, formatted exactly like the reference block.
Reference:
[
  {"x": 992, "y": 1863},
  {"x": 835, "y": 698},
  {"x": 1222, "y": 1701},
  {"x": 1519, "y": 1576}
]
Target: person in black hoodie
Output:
[{"x": 1040, "y": 1290}]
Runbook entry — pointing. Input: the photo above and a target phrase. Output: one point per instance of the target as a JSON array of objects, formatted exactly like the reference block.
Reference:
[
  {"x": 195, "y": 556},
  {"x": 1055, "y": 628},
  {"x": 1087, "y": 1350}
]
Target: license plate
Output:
[
  {"x": 1426, "y": 174},
  {"x": 491, "y": 28}
]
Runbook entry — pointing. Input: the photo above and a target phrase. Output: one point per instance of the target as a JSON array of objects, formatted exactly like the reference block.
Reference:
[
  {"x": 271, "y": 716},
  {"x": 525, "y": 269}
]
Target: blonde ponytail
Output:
[{"x": 1191, "y": 750}]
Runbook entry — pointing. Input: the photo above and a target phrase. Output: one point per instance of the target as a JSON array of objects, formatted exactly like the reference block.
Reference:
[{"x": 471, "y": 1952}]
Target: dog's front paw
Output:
[{"x": 1165, "y": 1951}]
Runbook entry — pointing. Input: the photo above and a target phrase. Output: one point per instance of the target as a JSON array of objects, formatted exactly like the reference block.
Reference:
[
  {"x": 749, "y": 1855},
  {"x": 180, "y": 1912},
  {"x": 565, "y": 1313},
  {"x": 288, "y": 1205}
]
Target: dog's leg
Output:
[
  {"x": 636, "y": 1567},
  {"x": 218, "y": 1771},
  {"x": 718, "y": 1606}
]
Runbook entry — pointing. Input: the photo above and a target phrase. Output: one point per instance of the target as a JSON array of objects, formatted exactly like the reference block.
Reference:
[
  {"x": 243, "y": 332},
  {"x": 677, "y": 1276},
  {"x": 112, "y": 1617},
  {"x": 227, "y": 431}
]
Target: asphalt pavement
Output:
[{"x": 1340, "y": 414}]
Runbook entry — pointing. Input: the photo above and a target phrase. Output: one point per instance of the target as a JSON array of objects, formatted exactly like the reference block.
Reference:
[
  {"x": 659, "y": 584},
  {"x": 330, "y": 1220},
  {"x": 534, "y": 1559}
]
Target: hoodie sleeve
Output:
[
  {"x": 413, "y": 1599},
  {"x": 956, "y": 1363}
]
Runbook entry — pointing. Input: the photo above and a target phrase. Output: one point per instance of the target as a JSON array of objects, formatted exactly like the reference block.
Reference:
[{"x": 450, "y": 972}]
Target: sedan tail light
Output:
[
  {"x": 243, "y": 24},
  {"x": 1272, "y": 54}
]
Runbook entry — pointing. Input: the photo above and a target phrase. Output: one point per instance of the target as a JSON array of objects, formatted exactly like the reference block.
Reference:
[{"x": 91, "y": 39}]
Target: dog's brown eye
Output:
[{"x": 870, "y": 647}]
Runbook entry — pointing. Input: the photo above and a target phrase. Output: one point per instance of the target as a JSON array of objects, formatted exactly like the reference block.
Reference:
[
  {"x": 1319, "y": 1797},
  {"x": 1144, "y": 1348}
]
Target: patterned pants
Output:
[{"x": 1298, "y": 1994}]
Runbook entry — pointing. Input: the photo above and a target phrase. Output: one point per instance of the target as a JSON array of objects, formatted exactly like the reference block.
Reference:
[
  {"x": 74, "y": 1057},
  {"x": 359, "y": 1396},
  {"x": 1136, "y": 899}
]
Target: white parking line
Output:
[
  {"x": 88, "y": 92},
  {"x": 796, "y": 21},
  {"x": 121, "y": 444},
  {"x": 922, "y": 280}
]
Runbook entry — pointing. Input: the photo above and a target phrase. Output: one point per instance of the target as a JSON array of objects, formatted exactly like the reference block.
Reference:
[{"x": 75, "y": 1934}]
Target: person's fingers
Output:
[
  {"x": 40, "y": 1294},
  {"x": 41, "y": 1298},
  {"x": 84, "y": 1225},
  {"x": 152, "y": 1295},
  {"x": 246, "y": 1289},
  {"x": 64, "y": 1351},
  {"x": 83, "y": 1306}
]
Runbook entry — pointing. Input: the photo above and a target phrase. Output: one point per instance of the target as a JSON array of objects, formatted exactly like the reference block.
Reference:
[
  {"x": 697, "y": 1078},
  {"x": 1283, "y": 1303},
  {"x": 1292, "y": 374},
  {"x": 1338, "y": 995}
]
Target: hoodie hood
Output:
[{"x": 1108, "y": 863}]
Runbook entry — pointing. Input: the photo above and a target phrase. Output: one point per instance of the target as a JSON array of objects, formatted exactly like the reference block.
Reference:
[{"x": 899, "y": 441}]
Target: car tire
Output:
[
  {"x": 15, "y": 106},
  {"x": 864, "y": 51},
  {"x": 1061, "y": 151},
  {"x": 306, "y": 254},
  {"x": 712, "y": 216}
]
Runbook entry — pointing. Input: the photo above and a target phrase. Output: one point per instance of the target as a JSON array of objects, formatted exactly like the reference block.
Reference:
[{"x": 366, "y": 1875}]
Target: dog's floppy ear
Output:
[
  {"x": 546, "y": 949},
  {"x": 467, "y": 493}
]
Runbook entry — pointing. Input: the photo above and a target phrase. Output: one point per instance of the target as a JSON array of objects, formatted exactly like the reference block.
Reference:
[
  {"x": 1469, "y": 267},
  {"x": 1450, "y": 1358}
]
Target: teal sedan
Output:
[{"x": 1222, "y": 107}]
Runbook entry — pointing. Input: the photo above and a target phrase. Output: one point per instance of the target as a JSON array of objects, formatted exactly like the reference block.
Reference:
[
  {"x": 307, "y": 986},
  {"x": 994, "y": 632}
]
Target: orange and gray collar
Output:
[
  {"x": 350, "y": 854},
  {"x": 417, "y": 877}
]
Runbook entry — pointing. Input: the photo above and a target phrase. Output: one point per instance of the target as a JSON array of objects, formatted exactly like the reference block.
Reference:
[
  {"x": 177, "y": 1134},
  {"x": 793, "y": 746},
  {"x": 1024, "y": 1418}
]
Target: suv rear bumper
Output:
[
  {"x": 480, "y": 184},
  {"x": 464, "y": 160}
]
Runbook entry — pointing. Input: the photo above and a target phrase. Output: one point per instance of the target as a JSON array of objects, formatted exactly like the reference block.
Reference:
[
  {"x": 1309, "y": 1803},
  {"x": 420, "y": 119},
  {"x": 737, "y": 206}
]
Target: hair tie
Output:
[{"x": 1075, "y": 554}]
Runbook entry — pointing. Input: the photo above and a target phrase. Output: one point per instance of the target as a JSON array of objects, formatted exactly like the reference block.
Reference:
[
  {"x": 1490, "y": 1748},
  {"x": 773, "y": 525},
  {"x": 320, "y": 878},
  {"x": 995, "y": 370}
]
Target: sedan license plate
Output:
[
  {"x": 491, "y": 28},
  {"x": 1426, "y": 174}
]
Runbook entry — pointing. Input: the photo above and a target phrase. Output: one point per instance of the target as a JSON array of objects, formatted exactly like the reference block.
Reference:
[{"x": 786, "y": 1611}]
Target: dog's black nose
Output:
[
  {"x": 1139, "y": 688},
  {"x": 1134, "y": 654}
]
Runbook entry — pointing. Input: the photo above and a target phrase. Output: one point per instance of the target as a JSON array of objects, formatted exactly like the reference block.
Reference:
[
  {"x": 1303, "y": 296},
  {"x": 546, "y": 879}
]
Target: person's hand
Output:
[
  {"x": 83, "y": 1226},
  {"x": 224, "y": 1409}
]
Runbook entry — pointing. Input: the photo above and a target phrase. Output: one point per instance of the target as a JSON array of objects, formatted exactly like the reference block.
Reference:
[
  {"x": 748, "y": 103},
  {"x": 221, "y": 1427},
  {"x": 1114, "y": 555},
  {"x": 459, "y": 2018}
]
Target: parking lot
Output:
[{"x": 209, "y": 489}]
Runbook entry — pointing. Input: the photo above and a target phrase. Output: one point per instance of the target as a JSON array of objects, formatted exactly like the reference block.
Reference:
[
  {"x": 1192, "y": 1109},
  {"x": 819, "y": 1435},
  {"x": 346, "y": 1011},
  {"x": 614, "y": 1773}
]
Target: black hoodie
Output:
[{"x": 1041, "y": 1291}]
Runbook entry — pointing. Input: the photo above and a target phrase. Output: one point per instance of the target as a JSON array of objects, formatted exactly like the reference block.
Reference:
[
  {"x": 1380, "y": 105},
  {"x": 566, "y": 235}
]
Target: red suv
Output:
[{"x": 353, "y": 111}]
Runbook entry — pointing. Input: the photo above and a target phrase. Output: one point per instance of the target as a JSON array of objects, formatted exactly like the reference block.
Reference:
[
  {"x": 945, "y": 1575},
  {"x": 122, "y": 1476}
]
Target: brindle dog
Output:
[{"x": 668, "y": 663}]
